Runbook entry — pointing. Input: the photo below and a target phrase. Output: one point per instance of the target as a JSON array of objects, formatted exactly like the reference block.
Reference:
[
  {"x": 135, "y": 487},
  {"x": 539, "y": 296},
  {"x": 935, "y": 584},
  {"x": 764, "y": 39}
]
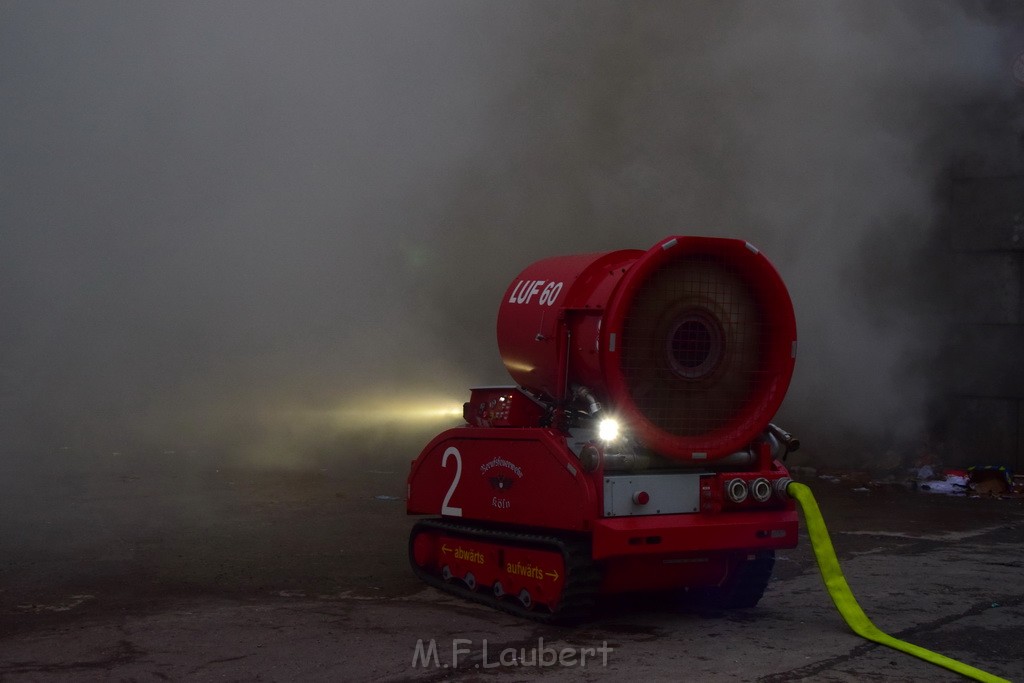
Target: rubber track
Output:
[
  {"x": 747, "y": 586},
  {"x": 582, "y": 577}
]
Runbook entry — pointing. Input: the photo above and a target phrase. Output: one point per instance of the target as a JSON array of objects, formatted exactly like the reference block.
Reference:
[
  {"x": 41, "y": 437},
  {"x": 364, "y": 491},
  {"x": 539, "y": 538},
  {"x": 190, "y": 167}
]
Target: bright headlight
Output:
[{"x": 608, "y": 430}]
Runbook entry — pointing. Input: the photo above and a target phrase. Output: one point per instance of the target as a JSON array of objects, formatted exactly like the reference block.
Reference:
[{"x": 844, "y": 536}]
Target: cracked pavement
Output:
[{"x": 131, "y": 571}]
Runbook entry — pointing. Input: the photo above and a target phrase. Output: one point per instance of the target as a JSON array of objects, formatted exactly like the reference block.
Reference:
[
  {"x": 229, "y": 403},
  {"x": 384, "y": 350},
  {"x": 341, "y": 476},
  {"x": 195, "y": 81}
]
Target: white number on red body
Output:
[{"x": 447, "y": 509}]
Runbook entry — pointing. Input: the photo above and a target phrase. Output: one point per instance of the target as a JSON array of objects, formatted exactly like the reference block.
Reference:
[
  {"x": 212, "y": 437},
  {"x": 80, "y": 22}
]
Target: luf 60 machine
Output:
[{"x": 635, "y": 451}]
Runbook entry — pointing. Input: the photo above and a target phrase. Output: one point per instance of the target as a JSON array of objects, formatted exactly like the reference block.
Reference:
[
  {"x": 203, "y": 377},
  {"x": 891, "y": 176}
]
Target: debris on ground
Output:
[
  {"x": 978, "y": 481},
  {"x": 995, "y": 481},
  {"x": 991, "y": 480},
  {"x": 954, "y": 481}
]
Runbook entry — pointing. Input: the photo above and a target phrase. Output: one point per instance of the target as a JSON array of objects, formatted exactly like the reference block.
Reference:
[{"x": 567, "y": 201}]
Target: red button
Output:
[{"x": 641, "y": 498}]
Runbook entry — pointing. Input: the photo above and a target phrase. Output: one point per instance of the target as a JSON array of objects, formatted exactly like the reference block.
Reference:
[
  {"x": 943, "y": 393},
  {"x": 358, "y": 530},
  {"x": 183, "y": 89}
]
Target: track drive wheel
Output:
[{"x": 743, "y": 585}]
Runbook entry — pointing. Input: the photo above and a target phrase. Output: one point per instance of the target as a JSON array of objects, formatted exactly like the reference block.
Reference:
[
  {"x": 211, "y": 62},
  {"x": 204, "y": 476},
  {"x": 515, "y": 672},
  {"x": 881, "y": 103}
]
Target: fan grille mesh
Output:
[{"x": 692, "y": 346}]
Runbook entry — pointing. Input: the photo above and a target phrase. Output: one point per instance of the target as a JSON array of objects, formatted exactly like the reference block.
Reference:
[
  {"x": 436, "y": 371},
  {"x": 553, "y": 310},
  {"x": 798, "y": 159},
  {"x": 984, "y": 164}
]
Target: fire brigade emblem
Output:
[{"x": 501, "y": 483}]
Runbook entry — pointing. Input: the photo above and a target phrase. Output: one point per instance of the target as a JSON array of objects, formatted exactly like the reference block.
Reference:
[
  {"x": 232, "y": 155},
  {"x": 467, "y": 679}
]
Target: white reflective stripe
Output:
[
  {"x": 671, "y": 243},
  {"x": 699, "y": 456},
  {"x": 611, "y": 342},
  {"x": 752, "y": 248},
  {"x": 572, "y": 470}
]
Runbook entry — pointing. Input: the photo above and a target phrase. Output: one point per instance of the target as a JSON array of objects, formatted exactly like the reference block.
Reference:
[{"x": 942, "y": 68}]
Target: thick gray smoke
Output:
[{"x": 223, "y": 223}]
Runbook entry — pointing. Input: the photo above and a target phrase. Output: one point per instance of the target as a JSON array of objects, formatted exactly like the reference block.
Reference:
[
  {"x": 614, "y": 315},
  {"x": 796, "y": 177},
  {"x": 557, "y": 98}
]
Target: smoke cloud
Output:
[{"x": 225, "y": 226}]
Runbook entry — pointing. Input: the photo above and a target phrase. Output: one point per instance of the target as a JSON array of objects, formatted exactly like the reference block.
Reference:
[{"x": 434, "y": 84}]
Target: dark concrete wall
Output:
[{"x": 984, "y": 361}]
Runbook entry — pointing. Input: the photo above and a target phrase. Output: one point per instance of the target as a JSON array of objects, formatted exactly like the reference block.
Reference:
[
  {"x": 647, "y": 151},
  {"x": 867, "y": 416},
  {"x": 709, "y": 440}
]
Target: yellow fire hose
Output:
[{"x": 847, "y": 605}]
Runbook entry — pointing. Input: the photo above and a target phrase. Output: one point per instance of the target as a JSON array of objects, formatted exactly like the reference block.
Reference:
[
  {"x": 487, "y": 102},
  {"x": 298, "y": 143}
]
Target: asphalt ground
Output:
[{"x": 170, "y": 567}]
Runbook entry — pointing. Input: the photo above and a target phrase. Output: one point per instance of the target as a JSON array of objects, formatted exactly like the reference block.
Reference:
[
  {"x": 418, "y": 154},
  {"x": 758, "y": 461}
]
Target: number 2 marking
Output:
[{"x": 445, "y": 508}]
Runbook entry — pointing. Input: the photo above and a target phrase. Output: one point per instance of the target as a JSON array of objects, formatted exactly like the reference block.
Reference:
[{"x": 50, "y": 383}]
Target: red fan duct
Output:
[{"x": 690, "y": 344}]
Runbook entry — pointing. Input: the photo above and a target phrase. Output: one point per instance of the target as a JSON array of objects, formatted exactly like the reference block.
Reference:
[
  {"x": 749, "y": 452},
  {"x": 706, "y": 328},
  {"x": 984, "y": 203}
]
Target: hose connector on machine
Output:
[{"x": 781, "y": 487}]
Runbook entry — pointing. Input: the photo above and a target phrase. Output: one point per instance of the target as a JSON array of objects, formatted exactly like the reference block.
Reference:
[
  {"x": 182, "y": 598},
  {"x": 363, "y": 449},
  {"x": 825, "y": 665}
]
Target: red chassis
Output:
[{"x": 530, "y": 478}]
